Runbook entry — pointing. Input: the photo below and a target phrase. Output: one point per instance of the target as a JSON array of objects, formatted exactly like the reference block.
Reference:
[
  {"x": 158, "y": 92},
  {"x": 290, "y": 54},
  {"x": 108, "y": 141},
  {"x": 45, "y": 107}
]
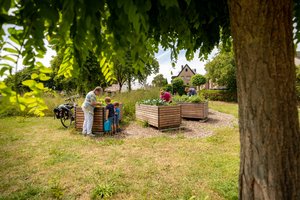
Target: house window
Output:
[{"x": 186, "y": 69}]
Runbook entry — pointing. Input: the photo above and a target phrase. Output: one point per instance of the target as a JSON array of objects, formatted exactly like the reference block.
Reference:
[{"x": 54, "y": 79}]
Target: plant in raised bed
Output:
[{"x": 153, "y": 102}]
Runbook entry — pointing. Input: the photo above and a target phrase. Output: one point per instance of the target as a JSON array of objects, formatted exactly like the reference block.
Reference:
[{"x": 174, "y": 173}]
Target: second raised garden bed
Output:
[
  {"x": 194, "y": 107},
  {"x": 162, "y": 117},
  {"x": 194, "y": 110}
]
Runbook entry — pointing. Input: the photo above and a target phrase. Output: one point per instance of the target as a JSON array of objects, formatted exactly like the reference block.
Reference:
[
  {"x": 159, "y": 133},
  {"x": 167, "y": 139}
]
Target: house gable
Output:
[{"x": 186, "y": 73}]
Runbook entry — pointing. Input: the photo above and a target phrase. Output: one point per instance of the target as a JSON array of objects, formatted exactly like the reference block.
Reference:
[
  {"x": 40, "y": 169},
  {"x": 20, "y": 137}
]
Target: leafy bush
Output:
[
  {"x": 168, "y": 88},
  {"x": 196, "y": 99},
  {"x": 198, "y": 80},
  {"x": 7, "y": 109},
  {"x": 178, "y": 86},
  {"x": 192, "y": 99},
  {"x": 159, "y": 81},
  {"x": 219, "y": 95},
  {"x": 222, "y": 70}
]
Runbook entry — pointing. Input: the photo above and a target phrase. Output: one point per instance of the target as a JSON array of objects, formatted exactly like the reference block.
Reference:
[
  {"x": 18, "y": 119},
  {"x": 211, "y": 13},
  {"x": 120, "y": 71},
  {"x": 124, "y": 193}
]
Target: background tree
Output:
[
  {"x": 89, "y": 76},
  {"x": 151, "y": 67},
  {"x": 125, "y": 73},
  {"x": 121, "y": 73},
  {"x": 159, "y": 81},
  {"x": 198, "y": 80},
  {"x": 222, "y": 70},
  {"x": 178, "y": 86}
]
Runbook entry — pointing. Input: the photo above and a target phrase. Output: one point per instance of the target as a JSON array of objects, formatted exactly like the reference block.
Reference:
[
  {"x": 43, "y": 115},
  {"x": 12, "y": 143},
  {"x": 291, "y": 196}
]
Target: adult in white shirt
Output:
[{"x": 88, "y": 107}]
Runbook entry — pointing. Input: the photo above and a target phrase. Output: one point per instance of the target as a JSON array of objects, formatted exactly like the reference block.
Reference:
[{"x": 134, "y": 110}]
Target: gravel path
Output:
[{"x": 191, "y": 128}]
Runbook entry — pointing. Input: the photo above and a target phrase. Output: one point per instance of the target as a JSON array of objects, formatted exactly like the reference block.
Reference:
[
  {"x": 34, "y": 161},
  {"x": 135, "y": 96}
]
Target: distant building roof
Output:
[{"x": 184, "y": 67}]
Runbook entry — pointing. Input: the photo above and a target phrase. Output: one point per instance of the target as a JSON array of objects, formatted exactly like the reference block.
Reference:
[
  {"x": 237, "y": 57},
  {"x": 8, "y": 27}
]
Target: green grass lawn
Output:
[
  {"x": 230, "y": 108},
  {"x": 41, "y": 160}
]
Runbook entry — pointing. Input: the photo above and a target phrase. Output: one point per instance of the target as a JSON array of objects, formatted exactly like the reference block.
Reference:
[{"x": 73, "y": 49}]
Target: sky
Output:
[
  {"x": 164, "y": 59},
  {"x": 165, "y": 65}
]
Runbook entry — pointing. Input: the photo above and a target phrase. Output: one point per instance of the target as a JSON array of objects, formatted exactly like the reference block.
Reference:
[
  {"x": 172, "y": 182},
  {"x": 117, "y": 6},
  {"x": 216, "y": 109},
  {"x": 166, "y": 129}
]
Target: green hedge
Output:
[{"x": 219, "y": 95}]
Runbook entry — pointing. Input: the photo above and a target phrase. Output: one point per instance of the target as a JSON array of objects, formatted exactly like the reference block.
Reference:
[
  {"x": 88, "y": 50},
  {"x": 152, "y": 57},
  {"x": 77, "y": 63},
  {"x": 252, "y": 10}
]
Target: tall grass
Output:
[
  {"x": 52, "y": 100},
  {"x": 129, "y": 99},
  {"x": 7, "y": 109}
]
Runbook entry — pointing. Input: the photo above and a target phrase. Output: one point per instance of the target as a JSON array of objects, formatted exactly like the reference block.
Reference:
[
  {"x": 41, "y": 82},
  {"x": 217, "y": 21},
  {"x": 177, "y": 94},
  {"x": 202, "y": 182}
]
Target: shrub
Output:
[
  {"x": 196, "y": 99},
  {"x": 178, "y": 86},
  {"x": 219, "y": 95},
  {"x": 168, "y": 88},
  {"x": 192, "y": 99},
  {"x": 198, "y": 80},
  {"x": 8, "y": 109}
]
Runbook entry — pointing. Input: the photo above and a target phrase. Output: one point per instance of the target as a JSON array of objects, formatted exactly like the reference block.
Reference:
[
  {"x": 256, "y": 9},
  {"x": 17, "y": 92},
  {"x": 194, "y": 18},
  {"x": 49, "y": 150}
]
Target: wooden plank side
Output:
[
  {"x": 194, "y": 110},
  {"x": 147, "y": 113},
  {"x": 170, "y": 116},
  {"x": 159, "y": 116}
]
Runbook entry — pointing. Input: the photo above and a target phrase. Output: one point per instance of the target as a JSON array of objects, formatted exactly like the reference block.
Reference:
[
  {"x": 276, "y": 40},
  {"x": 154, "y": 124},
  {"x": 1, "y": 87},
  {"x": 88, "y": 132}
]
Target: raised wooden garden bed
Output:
[
  {"x": 161, "y": 117},
  {"x": 194, "y": 110},
  {"x": 98, "y": 119}
]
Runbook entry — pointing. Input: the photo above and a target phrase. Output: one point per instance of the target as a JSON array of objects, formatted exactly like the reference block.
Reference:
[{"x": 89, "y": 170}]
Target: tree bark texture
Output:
[{"x": 268, "y": 117}]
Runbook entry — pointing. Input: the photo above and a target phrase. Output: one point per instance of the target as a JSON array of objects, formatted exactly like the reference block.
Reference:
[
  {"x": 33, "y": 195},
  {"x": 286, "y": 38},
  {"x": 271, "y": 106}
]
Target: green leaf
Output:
[
  {"x": 15, "y": 40},
  {"x": 34, "y": 76},
  {"x": 8, "y": 58},
  {"x": 3, "y": 70},
  {"x": 102, "y": 61},
  {"x": 46, "y": 70},
  {"x": 22, "y": 107},
  {"x": 11, "y": 50},
  {"x": 40, "y": 86},
  {"x": 29, "y": 83},
  {"x": 44, "y": 77}
]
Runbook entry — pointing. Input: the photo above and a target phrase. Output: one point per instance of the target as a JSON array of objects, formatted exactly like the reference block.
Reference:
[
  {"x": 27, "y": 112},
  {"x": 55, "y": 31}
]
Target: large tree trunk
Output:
[{"x": 268, "y": 117}]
